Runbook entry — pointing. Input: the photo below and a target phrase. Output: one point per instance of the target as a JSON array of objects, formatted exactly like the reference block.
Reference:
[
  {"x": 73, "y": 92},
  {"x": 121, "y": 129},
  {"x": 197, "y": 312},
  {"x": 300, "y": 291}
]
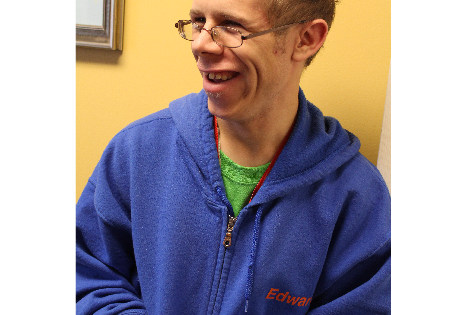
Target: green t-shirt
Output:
[{"x": 239, "y": 181}]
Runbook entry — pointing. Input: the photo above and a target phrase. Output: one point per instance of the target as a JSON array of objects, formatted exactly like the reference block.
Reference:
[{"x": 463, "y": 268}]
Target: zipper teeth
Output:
[
  {"x": 230, "y": 225},
  {"x": 219, "y": 283},
  {"x": 226, "y": 202}
]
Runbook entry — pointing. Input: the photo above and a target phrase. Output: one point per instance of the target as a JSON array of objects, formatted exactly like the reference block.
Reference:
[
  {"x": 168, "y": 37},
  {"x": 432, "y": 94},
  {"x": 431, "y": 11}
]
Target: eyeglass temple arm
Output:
[
  {"x": 181, "y": 23},
  {"x": 272, "y": 30}
]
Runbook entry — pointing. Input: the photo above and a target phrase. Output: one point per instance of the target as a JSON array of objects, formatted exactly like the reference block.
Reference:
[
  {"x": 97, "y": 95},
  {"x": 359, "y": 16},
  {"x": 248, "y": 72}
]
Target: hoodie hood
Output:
[{"x": 317, "y": 146}]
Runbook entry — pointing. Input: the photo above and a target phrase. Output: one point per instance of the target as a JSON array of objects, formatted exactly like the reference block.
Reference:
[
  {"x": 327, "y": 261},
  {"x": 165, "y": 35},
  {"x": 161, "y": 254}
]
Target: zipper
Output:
[
  {"x": 231, "y": 217},
  {"x": 227, "y": 243},
  {"x": 228, "y": 235}
]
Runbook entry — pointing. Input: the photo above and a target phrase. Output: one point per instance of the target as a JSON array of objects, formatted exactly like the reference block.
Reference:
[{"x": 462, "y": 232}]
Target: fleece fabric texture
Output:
[{"x": 152, "y": 219}]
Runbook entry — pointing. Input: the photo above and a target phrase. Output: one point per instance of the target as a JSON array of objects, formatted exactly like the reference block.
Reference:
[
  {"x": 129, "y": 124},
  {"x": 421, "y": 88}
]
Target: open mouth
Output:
[{"x": 219, "y": 77}]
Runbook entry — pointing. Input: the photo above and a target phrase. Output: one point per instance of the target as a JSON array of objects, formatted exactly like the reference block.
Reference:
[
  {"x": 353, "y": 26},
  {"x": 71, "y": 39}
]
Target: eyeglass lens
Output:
[{"x": 224, "y": 36}]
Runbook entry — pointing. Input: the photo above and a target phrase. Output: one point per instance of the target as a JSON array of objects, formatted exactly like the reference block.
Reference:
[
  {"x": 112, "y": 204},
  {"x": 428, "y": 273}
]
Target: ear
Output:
[{"x": 312, "y": 37}]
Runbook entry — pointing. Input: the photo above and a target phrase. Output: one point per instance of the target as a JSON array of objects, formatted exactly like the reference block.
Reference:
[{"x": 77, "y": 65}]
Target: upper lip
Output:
[
  {"x": 206, "y": 66},
  {"x": 216, "y": 70}
]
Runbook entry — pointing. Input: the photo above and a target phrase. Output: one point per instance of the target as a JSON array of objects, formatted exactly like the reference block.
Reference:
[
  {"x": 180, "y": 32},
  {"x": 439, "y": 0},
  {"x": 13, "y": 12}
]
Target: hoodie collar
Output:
[{"x": 317, "y": 146}]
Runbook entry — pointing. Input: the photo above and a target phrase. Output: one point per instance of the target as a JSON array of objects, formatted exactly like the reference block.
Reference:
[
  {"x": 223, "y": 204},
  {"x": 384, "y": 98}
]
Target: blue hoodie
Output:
[{"x": 152, "y": 219}]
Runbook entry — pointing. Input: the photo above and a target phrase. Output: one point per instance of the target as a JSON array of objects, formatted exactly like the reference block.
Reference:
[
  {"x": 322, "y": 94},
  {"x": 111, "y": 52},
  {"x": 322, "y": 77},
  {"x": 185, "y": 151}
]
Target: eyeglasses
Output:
[{"x": 223, "y": 35}]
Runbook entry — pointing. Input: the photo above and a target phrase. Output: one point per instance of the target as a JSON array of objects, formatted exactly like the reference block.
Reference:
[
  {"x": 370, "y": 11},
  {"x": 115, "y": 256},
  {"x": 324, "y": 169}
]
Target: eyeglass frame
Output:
[{"x": 181, "y": 23}]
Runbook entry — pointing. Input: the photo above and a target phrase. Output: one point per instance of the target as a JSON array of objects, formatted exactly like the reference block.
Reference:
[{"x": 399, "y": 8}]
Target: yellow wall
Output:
[{"x": 347, "y": 79}]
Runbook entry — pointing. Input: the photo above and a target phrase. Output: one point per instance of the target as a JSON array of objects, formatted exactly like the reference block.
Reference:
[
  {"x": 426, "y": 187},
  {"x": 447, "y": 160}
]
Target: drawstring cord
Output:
[{"x": 249, "y": 282}]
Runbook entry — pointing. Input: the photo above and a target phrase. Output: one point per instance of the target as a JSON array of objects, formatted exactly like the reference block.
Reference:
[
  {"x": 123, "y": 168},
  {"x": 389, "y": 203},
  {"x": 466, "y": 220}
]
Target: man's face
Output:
[{"x": 253, "y": 75}]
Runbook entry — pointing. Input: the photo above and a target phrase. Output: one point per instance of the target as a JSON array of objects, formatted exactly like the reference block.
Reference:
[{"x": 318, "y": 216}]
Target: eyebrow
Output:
[
  {"x": 225, "y": 16},
  {"x": 194, "y": 12}
]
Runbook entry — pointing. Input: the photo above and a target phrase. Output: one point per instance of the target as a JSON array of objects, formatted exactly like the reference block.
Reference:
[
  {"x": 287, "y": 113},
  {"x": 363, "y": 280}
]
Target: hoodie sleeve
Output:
[
  {"x": 106, "y": 276},
  {"x": 356, "y": 278},
  {"x": 349, "y": 296}
]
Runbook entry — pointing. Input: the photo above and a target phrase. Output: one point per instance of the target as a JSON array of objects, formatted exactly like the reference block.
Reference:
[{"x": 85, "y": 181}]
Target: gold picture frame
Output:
[{"x": 109, "y": 35}]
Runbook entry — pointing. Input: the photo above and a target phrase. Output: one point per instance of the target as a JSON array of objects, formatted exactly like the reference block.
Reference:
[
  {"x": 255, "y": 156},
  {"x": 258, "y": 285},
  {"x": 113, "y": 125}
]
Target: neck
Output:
[{"x": 255, "y": 142}]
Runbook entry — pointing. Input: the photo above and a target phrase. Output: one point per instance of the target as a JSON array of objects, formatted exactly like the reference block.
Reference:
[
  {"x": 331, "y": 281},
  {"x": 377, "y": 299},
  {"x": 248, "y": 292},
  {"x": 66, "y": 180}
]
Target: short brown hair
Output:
[{"x": 281, "y": 12}]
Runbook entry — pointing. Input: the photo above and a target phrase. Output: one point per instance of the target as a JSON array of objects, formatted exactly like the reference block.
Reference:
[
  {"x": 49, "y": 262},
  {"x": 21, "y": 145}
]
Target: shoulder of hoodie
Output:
[
  {"x": 156, "y": 121},
  {"x": 366, "y": 176},
  {"x": 159, "y": 117}
]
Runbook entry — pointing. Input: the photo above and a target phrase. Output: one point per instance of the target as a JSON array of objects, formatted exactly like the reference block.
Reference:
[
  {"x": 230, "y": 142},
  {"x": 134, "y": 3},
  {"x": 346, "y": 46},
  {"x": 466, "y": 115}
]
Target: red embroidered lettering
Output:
[
  {"x": 302, "y": 301},
  {"x": 271, "y": 293},
  {"x": 292, "y": 299},
  {"x": 281, "y": 296},
  {"x": 274, "y": 294}
]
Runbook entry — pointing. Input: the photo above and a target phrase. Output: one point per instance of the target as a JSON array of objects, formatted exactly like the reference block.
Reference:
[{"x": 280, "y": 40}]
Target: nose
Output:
[{"x": 205, "y": 44}]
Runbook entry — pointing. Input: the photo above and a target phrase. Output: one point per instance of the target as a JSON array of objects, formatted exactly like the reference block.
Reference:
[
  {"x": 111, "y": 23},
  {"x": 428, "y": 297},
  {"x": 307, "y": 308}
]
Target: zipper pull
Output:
[{"x": 228, "y": 235}]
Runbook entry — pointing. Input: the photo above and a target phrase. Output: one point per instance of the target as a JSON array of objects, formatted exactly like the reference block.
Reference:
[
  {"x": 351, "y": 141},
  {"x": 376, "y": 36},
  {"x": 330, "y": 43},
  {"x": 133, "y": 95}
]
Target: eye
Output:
[
  {"x": 231, "y": 23},
  {"x": 199, "y": 20}
]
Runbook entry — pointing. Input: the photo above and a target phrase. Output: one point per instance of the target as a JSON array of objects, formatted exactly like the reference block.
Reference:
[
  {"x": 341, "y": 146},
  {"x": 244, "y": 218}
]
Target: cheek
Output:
[{"x": 280, "y": 46}]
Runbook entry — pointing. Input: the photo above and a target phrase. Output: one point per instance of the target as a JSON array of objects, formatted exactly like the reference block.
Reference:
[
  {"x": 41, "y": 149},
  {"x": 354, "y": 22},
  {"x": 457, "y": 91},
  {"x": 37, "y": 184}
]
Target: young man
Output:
[{"x": 242, "y": 198}]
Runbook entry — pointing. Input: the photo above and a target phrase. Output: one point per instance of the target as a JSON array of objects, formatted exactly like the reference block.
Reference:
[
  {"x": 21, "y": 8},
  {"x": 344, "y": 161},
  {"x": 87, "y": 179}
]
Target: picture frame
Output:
[{"x": 106, "y": 33}]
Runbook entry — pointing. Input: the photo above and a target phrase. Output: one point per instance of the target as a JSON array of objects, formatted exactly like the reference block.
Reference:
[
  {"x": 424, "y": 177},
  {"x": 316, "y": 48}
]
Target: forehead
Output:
[{"x": 240, "y": 10}]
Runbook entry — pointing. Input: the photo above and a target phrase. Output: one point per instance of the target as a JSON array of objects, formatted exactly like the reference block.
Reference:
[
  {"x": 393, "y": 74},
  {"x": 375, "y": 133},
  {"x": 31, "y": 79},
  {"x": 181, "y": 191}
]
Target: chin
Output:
[
  {"x": 220, "y": 107},
  {"x": 217, "y": 105}
]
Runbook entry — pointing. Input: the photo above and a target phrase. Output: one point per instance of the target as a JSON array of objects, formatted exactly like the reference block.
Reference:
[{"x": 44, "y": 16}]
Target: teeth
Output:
[{"x": 213, "y": 76}]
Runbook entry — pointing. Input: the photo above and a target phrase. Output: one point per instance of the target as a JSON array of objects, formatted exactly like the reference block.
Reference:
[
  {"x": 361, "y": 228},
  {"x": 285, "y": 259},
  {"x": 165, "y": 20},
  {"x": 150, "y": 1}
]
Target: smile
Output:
[{"x": 220, "y": 76}]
